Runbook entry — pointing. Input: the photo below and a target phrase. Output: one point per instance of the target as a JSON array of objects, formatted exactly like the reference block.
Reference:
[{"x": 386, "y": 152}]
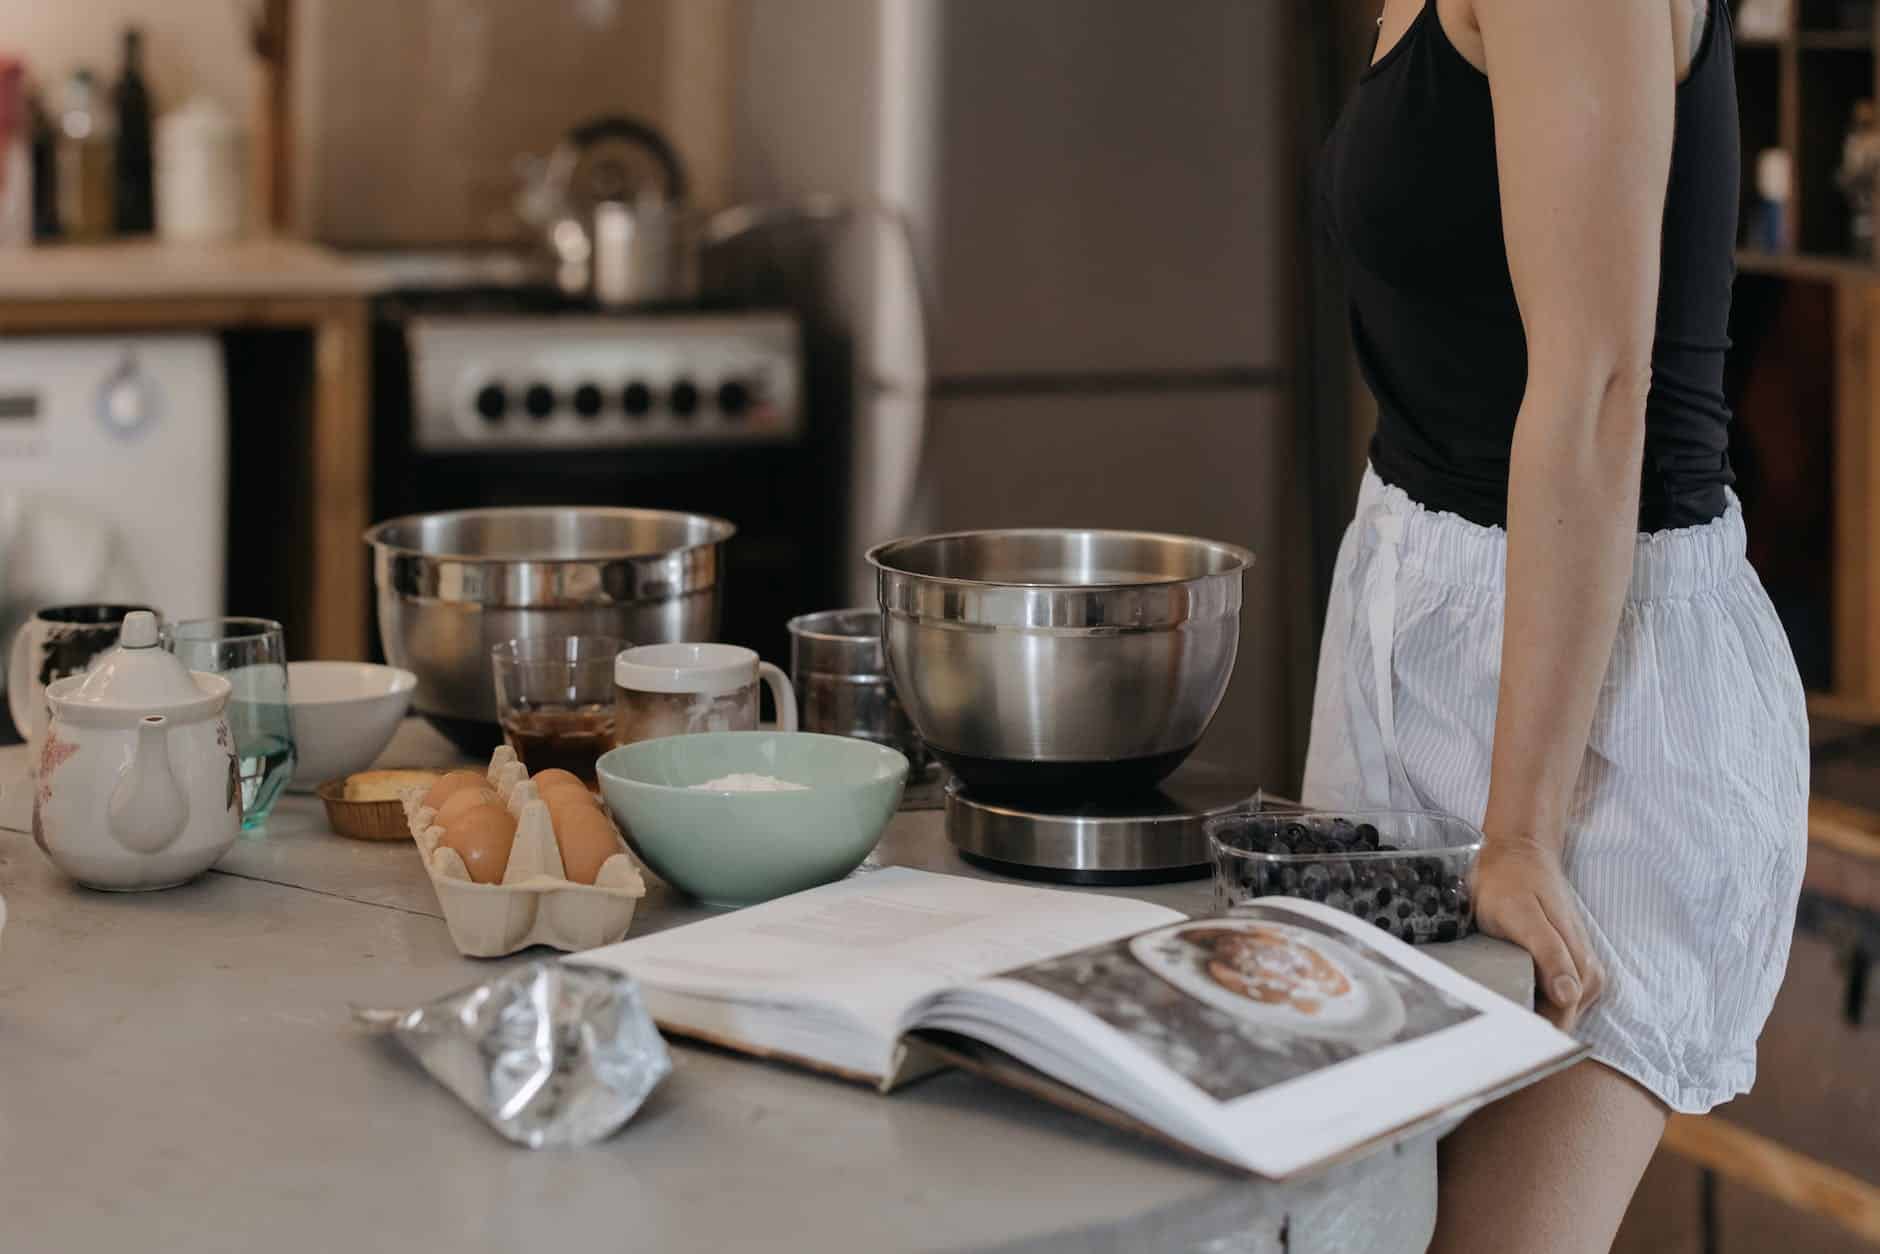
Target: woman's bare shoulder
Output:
[{"x": 1689, "y": 18}]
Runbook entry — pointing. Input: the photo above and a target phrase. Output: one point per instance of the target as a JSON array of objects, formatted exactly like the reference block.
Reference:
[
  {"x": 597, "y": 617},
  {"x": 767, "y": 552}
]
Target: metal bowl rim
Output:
[
  {"x": 1243, "y": 556},
  {"x": 722, "y": 531}
]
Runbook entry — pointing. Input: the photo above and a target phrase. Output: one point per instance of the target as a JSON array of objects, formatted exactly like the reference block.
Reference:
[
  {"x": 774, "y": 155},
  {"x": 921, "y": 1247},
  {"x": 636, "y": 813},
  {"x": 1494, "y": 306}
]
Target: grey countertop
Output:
[{"x": 178, "y": 1070}]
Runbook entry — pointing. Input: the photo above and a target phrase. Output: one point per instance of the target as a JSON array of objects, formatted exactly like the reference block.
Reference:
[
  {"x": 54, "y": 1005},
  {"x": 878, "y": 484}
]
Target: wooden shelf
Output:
[
  {"x": 1844, "y": 40},
  {"x": 1817, "y": 267}
]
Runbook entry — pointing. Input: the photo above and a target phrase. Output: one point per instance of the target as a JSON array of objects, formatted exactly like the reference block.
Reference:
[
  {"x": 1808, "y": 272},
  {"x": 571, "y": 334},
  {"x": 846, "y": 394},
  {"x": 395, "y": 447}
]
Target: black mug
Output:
[{"x": 58, "y": 641}]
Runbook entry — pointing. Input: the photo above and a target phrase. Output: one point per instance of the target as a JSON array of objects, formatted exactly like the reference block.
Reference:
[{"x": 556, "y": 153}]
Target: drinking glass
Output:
[
  {"x": 251, "y": 653},
  {"x": 555, "y": 700}
]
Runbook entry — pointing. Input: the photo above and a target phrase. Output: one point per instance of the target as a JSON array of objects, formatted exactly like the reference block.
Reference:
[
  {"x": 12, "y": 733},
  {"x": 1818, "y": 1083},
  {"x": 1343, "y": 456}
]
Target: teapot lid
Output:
[{"x": 139, "y": 673}]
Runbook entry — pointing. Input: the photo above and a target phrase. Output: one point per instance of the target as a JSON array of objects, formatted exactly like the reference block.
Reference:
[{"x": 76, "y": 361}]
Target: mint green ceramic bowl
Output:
[{"x": 737, "y": 848}]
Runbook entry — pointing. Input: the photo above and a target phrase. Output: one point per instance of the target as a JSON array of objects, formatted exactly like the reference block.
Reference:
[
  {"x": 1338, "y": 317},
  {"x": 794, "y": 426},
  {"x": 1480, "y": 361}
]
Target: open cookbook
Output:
[{"x": 1279, "y": 1039}]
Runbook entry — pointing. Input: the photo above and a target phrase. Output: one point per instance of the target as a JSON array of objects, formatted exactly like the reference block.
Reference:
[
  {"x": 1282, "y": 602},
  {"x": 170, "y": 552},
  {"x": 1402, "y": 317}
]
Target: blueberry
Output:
[
  {"x": 1429, "y": 870},
  {"x": 1446, "y": 930},
  {"x": 1367, "y": 835},
  {"x": 1404, "y": 908},
  {"x": 1342, "y": 878},
  {"x": 1295, "y": 832},
  {"x": 1452, "y": 900},
  {"x": 1288, "y": 880},
  {"x": 1384, "y": 895},
  {"x": 1382, "y": 921},
  {"x": 1363, "y": 904},
  {"x": 1338, "y": 899},
  {"x": 1315, "y": 881}
]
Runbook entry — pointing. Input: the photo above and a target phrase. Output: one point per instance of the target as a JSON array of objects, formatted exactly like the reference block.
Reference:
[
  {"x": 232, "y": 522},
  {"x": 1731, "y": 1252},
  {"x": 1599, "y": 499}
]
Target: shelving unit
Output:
[{"x": 1805, "y": 373}]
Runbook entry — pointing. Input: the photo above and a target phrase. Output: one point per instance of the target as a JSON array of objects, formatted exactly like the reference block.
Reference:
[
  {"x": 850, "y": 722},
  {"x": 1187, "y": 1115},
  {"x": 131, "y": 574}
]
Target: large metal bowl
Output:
[
  {"x": 452, "y": 585},
  {"x": 1043, "y": 662}
]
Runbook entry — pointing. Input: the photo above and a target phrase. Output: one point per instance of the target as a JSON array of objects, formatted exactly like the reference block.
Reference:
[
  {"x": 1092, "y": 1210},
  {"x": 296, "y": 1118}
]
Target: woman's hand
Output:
[{"x": 1522, "y": 896}]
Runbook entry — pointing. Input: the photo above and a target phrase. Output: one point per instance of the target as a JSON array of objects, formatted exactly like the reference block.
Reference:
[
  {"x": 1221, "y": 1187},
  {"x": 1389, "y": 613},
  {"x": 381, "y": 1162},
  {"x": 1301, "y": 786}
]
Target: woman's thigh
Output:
[{"x": 1547, "y": 1170}]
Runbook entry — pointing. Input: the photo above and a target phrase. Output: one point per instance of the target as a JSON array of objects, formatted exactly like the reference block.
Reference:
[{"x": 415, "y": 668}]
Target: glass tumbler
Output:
[
  {"x": 555, "y": 700},
  {"x": 251, "y": 653}
]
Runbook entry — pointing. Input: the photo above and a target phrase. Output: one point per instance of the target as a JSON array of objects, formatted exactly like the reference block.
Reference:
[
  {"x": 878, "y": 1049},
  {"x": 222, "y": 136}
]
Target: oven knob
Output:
[
  {"x": 539, "y": 401},
  {"x": 492, "y": 402},
  {"x": 636, "y": 399},
  {"x": 734, "y": 398},
  {"x": 683, "y": 399},
  {"x": 587, "y": 401}
]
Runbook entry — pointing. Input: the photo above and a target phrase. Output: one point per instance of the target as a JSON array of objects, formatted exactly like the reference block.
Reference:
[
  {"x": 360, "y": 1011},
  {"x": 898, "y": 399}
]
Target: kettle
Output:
[{"x": 618, "y": 240}]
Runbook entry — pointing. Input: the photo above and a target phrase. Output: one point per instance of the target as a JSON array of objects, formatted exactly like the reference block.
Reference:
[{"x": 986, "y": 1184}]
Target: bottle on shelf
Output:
[
  {"x": 1860, "y": 163},
  {"x": 84, "y": 161},
  {"x": 45, "y": 156},
  {"x": 133, "y": 190},
  {"x": 16, "y": 160},
  {"x": 1767, "y": 228}
]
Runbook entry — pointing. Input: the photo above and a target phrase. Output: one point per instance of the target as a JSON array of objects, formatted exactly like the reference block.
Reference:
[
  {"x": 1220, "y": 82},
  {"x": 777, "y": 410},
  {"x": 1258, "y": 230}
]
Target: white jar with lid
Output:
[{"x": 202, "y": 174}]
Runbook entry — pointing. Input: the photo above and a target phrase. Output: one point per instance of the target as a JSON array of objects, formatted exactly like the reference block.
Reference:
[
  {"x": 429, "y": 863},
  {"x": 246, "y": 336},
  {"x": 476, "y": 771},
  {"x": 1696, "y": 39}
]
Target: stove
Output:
[
  {"x": 1155, "y": 836},
  {"x": 495, "y": 390}
]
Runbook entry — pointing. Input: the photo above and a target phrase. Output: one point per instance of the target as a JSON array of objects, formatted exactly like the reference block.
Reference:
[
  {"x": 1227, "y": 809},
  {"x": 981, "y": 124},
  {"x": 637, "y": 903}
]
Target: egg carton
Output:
[{"x": 536, "y": 903}]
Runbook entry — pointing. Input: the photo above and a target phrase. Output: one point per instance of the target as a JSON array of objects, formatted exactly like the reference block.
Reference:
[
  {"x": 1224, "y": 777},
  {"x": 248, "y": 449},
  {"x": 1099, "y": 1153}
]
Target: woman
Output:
[{"x": 1542, "y": 617}]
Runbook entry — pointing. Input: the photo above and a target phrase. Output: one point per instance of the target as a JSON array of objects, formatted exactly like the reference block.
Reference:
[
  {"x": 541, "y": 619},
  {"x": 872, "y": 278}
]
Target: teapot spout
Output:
[{"x": 148, "y": 809}]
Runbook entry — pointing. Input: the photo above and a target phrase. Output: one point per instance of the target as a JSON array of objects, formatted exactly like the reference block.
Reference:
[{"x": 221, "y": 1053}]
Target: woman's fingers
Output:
[
  {"x": 1562, "y": 989},
  {"x": 1570, "y": 923}
]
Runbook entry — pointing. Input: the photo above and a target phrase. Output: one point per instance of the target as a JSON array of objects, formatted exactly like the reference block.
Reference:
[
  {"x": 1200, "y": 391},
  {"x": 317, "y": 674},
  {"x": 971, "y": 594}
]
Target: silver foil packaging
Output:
[{"x": 549, "y": 1054}]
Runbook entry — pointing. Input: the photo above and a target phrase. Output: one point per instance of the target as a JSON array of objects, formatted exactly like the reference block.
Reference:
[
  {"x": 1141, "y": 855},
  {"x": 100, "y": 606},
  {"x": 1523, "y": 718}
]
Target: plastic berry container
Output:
[{"x": 1407, "y": 871}]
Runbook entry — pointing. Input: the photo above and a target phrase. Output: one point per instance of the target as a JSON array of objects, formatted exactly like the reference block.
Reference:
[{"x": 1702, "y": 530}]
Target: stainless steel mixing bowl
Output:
[
  {"x": 452, "y": 585},
  {"x": 1041, "y": 662}
]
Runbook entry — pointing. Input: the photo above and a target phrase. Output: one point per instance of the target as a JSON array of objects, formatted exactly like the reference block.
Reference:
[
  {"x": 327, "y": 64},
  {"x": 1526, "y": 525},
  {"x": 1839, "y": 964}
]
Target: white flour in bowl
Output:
[{"x": 746, "y": 782}]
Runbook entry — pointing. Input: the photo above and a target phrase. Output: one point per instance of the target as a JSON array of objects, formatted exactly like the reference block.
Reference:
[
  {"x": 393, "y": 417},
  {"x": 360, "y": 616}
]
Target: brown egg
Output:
[
  {"x": 587, "y": 839},
  {"x": 564, "y": 802},
  {"x": 482, "y": 836},
  {"x": 555, "y": 777},
  {"x": 573, "y": 794},
  {"x": 461, "y": 800},
  {"x": 452, "y": 784}
]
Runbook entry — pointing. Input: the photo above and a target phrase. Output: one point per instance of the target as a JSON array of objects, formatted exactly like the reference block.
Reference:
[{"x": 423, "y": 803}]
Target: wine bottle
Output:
[{"x": 133, "y": 186}]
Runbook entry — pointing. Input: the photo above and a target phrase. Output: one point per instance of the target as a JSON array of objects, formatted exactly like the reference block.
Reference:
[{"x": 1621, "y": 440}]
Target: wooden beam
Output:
[
  {"x": 1856, "y": 340},
  {"x": 1777, "y": 1171},
  {"x": 342, "y": 485}
]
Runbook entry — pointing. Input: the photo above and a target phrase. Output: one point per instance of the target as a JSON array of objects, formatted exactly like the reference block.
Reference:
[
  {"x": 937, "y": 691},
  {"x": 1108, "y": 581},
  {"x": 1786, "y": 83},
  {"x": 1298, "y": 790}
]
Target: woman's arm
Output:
[{"x": 1583, "y": 99}]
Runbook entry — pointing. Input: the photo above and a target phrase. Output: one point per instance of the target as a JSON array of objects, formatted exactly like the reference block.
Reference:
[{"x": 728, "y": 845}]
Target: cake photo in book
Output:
[{"x": 1237, "y": 1004}]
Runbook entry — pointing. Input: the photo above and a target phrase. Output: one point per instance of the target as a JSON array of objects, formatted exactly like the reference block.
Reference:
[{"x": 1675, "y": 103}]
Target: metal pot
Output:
[
  {"x": 451, "y": 586},
  {"x": 1044, "y": 662}
]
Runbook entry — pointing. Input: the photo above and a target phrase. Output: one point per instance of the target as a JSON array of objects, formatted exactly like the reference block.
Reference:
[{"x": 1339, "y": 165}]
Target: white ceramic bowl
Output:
[{"x": 344, "y": 716}]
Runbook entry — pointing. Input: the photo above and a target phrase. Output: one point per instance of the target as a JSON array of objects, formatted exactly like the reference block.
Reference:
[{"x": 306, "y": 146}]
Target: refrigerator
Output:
[{"x": 1102, "y": 199}]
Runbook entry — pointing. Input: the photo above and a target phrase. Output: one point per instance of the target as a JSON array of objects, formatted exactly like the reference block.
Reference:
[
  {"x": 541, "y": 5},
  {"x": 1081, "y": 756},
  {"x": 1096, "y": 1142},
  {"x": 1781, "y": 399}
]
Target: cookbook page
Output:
[
  {"x": 1283, "y": 1036},
  {"x": 874, "y": 943}
]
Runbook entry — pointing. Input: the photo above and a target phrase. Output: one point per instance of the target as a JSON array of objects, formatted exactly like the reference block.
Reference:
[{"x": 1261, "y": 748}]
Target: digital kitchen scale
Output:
[{"x": 1148, "y": 838}]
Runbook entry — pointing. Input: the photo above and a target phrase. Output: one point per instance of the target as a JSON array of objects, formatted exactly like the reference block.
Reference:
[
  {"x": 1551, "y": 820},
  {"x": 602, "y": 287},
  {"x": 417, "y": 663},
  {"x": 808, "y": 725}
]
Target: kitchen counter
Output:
[
  {"x": 180, "y": 1071},
  {"x": 126, "y": 287},
  {"x": 152, "y": 270}
]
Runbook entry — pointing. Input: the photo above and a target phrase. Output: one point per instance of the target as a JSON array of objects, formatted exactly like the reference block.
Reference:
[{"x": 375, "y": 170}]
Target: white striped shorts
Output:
[{"x": 1689, "y": 823}]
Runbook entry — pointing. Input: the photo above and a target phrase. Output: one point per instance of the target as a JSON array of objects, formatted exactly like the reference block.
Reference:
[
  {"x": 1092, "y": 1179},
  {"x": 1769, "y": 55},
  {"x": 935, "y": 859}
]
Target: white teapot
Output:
[{"x": 138, "y": 786}]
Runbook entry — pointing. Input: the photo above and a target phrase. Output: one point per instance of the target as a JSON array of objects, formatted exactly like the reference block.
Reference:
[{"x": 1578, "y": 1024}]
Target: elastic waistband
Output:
[{"x": 1446, "y": 547}]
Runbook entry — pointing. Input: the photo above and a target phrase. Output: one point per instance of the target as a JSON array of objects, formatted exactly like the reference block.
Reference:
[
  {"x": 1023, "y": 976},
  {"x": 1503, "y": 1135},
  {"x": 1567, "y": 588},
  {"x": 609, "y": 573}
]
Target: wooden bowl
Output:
[{"x": 362, "y": 820}]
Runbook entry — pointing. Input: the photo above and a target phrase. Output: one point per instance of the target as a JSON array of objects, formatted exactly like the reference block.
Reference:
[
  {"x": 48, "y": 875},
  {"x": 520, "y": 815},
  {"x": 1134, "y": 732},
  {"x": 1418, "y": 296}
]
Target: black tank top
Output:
[{"x": 1409, "y": 192}]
